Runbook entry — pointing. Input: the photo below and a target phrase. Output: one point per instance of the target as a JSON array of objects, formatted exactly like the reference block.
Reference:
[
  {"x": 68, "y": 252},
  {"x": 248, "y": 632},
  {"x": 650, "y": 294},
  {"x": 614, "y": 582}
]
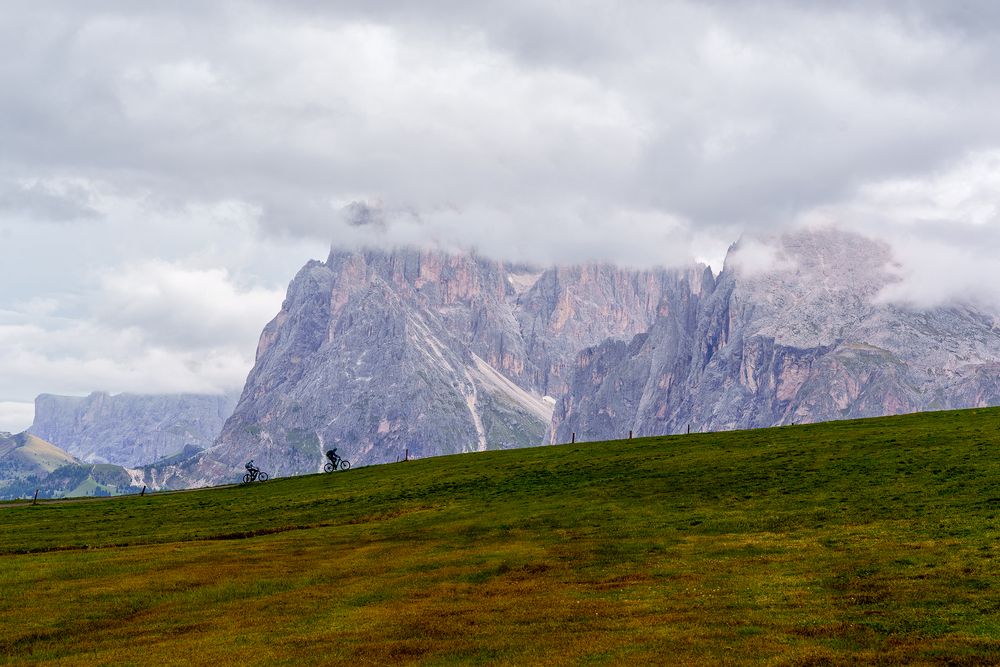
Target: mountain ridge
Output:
[
  {"x": 418, "y": 353},
  {"x": 807, "y": 339},
  {"x": 130, "y": 429},
  {"x": 415, "y": 352}
]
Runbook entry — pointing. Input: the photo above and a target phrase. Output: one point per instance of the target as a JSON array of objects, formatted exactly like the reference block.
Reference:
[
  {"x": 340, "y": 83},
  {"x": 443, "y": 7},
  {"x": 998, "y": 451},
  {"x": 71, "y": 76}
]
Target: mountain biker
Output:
[
  {"x": 332, "y": 455},
  {"x": 250, "y": 466}
]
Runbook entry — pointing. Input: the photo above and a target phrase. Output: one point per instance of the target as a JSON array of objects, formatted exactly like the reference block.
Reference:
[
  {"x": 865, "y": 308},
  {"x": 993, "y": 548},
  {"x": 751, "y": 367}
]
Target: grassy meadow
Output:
[{"x": 855, "y": 542}]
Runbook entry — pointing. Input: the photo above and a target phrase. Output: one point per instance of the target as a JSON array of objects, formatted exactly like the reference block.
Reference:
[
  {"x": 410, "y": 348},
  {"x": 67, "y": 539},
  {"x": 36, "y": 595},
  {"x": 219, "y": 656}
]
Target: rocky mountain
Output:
[
  {"x": 795, "y": 331},
  {"x": 382, "y": 353},
  {"x": 130, "y": 429}
]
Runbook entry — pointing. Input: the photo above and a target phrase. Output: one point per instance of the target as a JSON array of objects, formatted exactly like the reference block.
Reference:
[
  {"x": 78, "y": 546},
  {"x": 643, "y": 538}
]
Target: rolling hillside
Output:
[
  {"x": 26, "y": 454},
  {"x": 28, "y": 463},
  {"x": 871, "y": 541}
]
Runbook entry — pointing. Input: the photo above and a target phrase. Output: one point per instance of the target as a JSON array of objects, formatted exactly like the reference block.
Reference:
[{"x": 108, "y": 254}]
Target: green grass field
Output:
[{"x": 857, "y": 542}]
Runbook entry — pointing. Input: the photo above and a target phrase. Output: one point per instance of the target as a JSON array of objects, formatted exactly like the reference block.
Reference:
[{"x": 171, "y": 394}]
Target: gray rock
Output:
[
  {"x": 129, "y": 429},
  {"x": 807, "y": 339},
  {"x": 383, "y": 353}
]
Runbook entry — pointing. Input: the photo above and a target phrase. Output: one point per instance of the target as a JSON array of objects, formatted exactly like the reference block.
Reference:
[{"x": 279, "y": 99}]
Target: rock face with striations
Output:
[
  {"x": 376, "y": 353},
  {"x": 794, "y": 332},
  {"x": 129, "y": 429}
]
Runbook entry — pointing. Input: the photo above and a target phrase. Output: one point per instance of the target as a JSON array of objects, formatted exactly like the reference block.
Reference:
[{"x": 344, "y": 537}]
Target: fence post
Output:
[
  {"x": 689, "y": 429},
  {"x": 630, "y": 434},
  {"x": 143, "y": 492},
  {"x": 35, "y": 501},
  {"x": 573, "y": 440},
  {"x": 407, "y": 457}
]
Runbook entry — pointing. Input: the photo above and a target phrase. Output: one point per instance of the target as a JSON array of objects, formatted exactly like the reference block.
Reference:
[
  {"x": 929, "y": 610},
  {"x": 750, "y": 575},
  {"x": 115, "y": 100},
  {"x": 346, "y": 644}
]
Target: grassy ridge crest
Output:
[{"x": 866, "y": 540}]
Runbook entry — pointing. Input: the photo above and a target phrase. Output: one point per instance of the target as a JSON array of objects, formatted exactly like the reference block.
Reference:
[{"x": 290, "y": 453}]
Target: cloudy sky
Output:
[{"x": 164, "y": 172}]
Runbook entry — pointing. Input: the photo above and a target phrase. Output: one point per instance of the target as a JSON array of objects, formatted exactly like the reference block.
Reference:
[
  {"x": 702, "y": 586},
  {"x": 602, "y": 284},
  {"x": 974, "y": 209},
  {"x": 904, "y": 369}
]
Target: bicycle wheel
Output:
[
  {"x": 345, "y": 464},
  {"x": 328, "y": 467},
  {"x": 262, "y": 477},
  {"x": 246, "y": 478}
]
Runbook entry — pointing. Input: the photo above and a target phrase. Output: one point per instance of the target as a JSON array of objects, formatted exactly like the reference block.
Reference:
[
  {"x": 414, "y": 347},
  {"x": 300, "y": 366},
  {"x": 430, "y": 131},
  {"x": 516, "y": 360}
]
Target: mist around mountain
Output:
[
  {"x": 386, "y": 355},
  {"x": 130, "y": 430},
  {"x": 795, "y": 331},
  {"x": 415, "y": 353}
]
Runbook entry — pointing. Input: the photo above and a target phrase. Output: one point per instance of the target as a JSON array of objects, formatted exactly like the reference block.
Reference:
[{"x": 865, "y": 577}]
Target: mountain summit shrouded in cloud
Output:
[
  {"x": 203, "y": 150},
  {"x": 415, "y": 353}
]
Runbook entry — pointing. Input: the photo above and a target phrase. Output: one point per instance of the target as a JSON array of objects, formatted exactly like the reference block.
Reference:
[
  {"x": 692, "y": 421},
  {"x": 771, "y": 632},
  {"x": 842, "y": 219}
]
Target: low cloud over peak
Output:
[{"x": 230, "y": 141}]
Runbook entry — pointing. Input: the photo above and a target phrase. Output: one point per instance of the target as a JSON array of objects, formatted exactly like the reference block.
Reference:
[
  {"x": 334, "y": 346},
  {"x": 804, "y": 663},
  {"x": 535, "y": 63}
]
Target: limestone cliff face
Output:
[
  {"x": 569, "y": 306},
  {"x": 129, "y": 429},
  {"x": 803, "y": 337},
  {"x": 376, "y": 353}
]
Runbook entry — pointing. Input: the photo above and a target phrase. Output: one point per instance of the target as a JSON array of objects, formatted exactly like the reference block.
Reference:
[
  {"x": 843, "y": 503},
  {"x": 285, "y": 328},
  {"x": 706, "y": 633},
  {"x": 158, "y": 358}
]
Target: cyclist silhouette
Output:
[
  {"x": 336, "y": 462},
  {"x": 254, "y": 474}
]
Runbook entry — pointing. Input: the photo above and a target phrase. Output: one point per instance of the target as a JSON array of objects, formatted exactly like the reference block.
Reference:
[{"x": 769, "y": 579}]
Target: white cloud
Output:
[
  {"x": 152, "y": 207},
  {"x": 145, "y": 326},
  {"x": 943, "y": 226},
  {"x": 81, "y": 356},
  {"x": 937, "y": 274},
  {"x": 964, "y": 193},
  {"x": 742, "y": 114},
  {"x": 16, "y": 417},
  {"x": 177, "y": 306},
  {"x": 753, "y": 256},
  {"x": 574, "y": 231}
]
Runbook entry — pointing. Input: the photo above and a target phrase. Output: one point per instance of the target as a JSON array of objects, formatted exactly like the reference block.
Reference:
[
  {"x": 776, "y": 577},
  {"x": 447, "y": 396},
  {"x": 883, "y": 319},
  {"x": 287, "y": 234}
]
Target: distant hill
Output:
[
  {"x": 28, "y": 462},
  {"x": 26, "y": 454}
]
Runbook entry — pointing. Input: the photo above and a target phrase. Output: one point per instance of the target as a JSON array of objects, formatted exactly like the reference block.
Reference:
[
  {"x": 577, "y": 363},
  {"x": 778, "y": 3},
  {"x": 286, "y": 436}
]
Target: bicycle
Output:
[
  {"x": 339, "y": 464},
  {"x": 255, "y": 475}
]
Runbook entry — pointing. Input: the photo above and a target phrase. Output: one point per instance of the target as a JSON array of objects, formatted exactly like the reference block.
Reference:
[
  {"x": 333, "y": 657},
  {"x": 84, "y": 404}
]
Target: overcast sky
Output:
[{"x": 164, "y": 172}]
